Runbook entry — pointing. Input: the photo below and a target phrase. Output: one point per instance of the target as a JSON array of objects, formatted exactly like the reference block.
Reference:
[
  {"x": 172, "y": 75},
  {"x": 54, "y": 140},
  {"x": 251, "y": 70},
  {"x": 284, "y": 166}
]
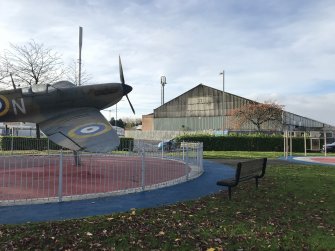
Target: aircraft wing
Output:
[{"x": 83, "y": 129}]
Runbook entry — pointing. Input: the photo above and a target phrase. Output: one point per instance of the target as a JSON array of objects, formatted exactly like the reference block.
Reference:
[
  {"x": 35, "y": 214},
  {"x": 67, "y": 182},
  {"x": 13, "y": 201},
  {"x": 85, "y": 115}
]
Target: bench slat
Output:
[{"x": 252, "y": 169}]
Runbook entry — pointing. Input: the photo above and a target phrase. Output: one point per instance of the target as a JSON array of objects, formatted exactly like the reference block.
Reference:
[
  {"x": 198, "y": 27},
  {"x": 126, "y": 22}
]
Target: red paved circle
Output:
[{"x": 31, "y": 177}]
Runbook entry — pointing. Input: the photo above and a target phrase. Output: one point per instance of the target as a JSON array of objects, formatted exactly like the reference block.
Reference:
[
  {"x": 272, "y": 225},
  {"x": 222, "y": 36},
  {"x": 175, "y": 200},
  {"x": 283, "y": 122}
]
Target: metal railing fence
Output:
[{"x": 58, "y": 175}]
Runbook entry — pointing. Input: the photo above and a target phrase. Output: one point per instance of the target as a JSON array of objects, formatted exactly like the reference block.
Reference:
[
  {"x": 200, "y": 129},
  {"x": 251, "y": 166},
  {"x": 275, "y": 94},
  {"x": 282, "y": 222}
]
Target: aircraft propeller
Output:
[{"x": 126, "y": 88}]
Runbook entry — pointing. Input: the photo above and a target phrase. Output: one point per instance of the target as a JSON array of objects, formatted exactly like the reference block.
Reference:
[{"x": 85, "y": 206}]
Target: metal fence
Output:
[{"x": 49, "y": 176}]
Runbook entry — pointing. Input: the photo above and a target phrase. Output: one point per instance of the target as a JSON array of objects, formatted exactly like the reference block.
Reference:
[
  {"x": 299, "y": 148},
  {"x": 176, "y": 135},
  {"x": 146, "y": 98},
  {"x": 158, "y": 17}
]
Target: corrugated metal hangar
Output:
[{"x": 205, "y": 108}]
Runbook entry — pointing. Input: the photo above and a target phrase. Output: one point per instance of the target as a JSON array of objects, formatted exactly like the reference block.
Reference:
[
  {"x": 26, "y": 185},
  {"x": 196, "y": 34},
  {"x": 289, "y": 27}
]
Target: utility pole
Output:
[
  {"x": 163, "y": 83},
  {"x": 223, "y": 100},
  {"x": 80, "y": 46}
]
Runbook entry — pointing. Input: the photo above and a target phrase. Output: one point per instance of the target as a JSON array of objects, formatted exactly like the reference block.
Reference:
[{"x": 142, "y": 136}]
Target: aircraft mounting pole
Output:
[{"x": 80, "y": 46}]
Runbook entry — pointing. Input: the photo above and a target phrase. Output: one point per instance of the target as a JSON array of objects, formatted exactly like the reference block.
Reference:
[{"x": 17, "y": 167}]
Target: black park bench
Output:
[{"x": 252, "y": 169}]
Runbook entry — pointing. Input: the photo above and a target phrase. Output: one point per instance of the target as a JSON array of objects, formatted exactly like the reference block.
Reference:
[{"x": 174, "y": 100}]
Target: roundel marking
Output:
[
  {"x": 4, "y": 105},
  {"x": 89, "y": 130}
]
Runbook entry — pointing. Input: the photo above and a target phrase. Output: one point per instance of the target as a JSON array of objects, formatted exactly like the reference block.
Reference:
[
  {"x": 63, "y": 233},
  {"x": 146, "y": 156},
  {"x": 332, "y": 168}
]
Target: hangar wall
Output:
[{"x": 201, "y": 108}]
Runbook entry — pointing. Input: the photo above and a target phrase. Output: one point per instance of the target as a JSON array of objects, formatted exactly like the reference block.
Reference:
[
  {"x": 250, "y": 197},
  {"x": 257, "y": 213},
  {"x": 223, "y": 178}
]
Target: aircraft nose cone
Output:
[{"x": 127, "y": 89}]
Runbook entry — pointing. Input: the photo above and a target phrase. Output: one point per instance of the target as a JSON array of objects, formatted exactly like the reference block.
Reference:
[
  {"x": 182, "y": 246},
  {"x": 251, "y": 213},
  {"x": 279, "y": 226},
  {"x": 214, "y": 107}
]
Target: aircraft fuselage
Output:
[{"x": 27, "y": 105}]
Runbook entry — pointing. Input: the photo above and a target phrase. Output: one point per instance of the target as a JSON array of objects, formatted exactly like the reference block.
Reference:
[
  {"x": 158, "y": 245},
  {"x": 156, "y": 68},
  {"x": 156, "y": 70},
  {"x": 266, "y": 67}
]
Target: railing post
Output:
[
  {"x": 60, "y": 177},
  {"x": 48, "y": 147},
  {"x": 202, "y": 156},
  {"x": 130, "y": 145},
  {"x": 12, "y": 145},
  {"x": 162, "y": 148},
  {"x": 186, "y": 164},
  {"x": 143, "y": 169},
  {"x": 183, "y": 144}
]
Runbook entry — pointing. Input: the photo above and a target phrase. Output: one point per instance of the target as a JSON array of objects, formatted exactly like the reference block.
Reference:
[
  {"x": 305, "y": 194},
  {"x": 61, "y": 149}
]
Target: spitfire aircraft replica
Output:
[{"x": 68, "y": 114}]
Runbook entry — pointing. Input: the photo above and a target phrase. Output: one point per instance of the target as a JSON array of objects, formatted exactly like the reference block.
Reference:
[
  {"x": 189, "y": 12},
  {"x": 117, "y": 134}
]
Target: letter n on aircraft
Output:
[{"x": 19, "y": 106}]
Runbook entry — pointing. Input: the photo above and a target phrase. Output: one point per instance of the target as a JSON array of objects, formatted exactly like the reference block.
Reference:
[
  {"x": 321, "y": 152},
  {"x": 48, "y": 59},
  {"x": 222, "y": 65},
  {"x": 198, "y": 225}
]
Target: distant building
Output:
[
  {"x": 18, "y": 129},
  {"x": 201, "y": 109}
]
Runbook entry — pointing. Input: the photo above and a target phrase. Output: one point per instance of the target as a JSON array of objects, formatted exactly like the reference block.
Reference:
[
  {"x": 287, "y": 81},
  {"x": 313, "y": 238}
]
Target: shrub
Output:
[
  {"x": 243, "y": 142},
  {"x": 8, "y": 143}
]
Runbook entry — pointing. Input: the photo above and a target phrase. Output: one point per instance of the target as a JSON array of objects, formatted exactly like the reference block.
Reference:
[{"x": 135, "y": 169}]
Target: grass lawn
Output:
[
  {"x": 293, "y": 209},
  {"x": 251, "y": 154}
]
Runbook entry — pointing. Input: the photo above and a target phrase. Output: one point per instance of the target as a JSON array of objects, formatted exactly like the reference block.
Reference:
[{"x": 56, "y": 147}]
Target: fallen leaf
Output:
[{"x": 161, "y": 233}]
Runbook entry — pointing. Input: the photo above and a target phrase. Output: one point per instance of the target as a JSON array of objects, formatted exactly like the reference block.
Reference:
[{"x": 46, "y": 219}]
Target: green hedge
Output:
[
  {"x": 243, "y": 142},
  {"x": 29, "y": 143},
  {"x": 26, "y": 143}
]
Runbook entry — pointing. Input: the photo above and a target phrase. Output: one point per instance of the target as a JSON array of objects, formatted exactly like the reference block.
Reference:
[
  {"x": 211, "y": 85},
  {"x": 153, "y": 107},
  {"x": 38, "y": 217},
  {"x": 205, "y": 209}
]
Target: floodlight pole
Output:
[
  {"x": 163, "y": 83},
  {"x": 223, "y": 100},
  {"x": 80, "y": 46}
]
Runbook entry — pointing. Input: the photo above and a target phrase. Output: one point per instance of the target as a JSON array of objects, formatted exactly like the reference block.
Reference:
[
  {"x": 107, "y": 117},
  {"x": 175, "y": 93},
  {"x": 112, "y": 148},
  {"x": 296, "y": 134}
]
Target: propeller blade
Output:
[
  {"x": 124, "y": 85},
  {"x": 131, "y": 106},
  {"x": 121, "y": 71}
]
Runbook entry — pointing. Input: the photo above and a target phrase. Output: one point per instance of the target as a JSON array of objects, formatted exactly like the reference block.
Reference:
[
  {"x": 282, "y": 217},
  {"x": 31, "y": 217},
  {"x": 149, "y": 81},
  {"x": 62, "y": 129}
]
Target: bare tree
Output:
[
  {"x": 72, "y": 74},
  {"x": 30, "y": 64},
  {"x": 258, "y": 114},
  {"x": 5, "y": 75}
]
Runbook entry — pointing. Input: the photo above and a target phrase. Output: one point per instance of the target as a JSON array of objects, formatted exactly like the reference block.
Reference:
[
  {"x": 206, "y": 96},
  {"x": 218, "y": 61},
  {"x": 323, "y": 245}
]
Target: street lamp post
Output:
[{"x": 223, "y": 100}]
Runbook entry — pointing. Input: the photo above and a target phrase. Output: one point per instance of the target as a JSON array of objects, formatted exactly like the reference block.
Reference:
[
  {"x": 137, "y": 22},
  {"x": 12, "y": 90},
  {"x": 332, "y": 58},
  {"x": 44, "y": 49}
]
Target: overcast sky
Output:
[{"x": 281, "y": 50}]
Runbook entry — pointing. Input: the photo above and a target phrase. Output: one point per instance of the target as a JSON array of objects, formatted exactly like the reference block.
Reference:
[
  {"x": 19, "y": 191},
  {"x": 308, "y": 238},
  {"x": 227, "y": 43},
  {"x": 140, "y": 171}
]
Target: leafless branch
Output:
[{"x": 31, "y": 64}]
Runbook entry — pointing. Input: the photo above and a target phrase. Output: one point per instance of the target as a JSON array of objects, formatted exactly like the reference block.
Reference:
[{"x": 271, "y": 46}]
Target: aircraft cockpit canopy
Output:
[
  {"x": 42, "y": 88},
  {"x": 36, "y": 89},
  {"x": 63, "y": 84}
]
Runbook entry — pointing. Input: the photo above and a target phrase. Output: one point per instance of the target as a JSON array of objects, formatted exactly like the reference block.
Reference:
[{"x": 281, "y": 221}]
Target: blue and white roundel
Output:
[
  {"x": 4, "y": 105},
  {"x": 88, "y": 130}
]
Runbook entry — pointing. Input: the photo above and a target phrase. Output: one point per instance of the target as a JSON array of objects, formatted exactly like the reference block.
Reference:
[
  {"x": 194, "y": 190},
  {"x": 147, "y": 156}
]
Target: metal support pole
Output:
[
  {"x": 163, "y": 83},
  {"x": 48, "y": 147},
  {"x": 202, "y": 155},
  {"x": 223, "y": 101},
  {"x": 80, "y": 46},
  {"x": 287, "y": 146},
  {"x": 186, "y": 164},
  {"x": 284, "y": 139},
  {"x": 163, "y": 148},
  {"x": 12, "y": 143},
  {"x": 291, "y": 146},
  {"x": 115, "y": 116},
  {"x": 325, "y": 141},
  {"x": 60, "y": 177},
  {"x": 305, "y": 143},
  {"x": 143, "y": 169},
  {"x": 183, "y": 146}
]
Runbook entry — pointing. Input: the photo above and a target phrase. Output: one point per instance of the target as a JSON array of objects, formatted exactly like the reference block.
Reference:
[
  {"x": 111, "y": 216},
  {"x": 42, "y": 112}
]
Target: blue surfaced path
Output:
[{"x": 202, "y": 186}]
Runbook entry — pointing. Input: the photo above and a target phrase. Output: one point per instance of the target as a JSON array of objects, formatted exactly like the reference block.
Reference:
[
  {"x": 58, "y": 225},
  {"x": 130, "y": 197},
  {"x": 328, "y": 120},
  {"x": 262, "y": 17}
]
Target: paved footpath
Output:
[{"x": 204, "y": 185}]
